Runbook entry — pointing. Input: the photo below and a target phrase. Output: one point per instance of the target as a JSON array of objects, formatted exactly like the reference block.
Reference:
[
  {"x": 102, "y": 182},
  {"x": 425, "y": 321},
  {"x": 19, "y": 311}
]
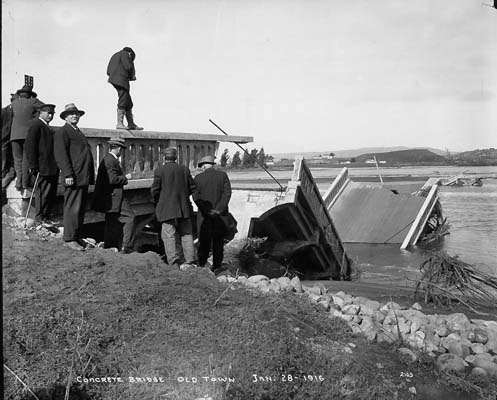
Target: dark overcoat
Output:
[
  {"x": 25, "y": 113},
  {"x": 73, "y": 155},
  {"x": 171, "y": 190},
  {"x": 39, "y": 149},
  {"x": 214, "y": 192},
  {"x": 7, "y": 115},
  {"x": 121, "y": 69},
  {"x": 108, "y": 194}
]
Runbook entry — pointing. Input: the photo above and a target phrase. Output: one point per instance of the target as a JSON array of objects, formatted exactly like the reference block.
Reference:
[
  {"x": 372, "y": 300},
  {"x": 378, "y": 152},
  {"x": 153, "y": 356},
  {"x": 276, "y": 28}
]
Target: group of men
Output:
[
  {"x": 211, "y": 191},
  {"x": 25, "y": 108},
  {"x": 39, "y": 157}
]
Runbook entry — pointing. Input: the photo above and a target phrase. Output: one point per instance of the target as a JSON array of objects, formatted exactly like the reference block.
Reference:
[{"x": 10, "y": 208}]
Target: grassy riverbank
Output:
[{"x": 70, "y": 318}]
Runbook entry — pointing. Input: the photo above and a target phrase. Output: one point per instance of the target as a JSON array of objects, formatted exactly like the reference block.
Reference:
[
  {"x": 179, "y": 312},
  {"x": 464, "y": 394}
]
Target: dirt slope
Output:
[{"x": 154, "y": 333}]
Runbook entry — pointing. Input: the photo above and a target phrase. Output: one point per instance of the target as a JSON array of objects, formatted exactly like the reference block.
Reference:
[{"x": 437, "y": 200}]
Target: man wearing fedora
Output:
[
  {"x": 24, "y": 110},
  {"x": 214, "y": 193},
  {"x": 41, "y": 163},
  {"x": 121, "y": 70},
  {"x": 73, "y": 155},
  {"x": 171, "y": 190},
  {"x": 109, "y": 199}
]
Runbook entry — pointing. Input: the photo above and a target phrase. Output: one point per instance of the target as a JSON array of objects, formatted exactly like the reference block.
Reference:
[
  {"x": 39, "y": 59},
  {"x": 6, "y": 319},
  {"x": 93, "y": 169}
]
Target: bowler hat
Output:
[
  {"x": 27, "y": 89},
  {"x": 70, "y": 108},
  {"x": 117, "y": 142},
  {"x": 170, "y": 152},
  {"x": 47, "y": 107},
  {"x": 206, "y": 160}
]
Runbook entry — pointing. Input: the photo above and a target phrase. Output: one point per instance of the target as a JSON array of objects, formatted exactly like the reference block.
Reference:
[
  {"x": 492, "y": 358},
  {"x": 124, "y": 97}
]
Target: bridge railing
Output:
[
  {"x": 144, "y": 150},
  {"x": 302, "y": 179},
  {"x": 336, "y": 188}
]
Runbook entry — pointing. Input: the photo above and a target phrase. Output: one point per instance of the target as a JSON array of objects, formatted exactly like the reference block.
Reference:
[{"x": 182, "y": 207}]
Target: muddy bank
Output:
[{"x": 149, "y": 330}]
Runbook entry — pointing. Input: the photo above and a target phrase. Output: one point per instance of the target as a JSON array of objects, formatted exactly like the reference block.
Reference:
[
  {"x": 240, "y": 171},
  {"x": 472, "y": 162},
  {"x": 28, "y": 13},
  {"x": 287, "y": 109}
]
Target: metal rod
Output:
[
  {"x": 250, "y": 155},
  {"x": 31, "y": 199}
]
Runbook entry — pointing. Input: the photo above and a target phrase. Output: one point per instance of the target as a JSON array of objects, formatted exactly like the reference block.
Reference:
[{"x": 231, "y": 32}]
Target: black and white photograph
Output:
[{"x": 249, "y": 200}]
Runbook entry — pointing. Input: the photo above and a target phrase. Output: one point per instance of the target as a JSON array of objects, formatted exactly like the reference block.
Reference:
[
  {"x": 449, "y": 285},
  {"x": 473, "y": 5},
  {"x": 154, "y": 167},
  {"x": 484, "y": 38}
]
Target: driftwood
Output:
[{"x": 446, "y": 279}]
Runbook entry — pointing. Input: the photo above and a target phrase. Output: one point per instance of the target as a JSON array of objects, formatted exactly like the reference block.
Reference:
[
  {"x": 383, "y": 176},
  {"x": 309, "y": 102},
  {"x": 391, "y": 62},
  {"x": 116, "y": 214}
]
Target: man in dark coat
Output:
[
  {"x": 121, "y": 70},
  {"x": 8, "y": 172},
  {"x": 25, "y": 109},
  {"x": 73, "y": 155},
  {"x": 214, "y": 193},
  {"x": 41, "y": 163},
  {"x": 109, "y": 198},
  {"x": 171, "y": 189}
]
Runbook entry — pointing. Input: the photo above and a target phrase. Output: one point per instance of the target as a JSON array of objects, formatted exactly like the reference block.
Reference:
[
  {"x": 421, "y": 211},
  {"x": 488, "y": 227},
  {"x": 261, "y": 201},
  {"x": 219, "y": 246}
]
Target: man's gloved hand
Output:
[{"x": 33, "y": 171}]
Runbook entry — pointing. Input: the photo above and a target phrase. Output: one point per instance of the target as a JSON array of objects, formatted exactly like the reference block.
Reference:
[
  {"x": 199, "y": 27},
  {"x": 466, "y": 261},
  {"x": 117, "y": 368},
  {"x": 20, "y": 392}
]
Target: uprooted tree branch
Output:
[{"x": 446, "y": 279}]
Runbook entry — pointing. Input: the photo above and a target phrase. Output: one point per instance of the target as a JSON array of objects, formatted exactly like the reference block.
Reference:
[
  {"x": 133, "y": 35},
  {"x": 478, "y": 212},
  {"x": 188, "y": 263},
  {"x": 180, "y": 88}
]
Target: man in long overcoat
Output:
[
  {"x": 121, "y": 70},
  {"x": 171, "y": 190},
  {"x": 8, "y": 172},
  {"x": 109, "y": 198},
  {"x": 73, "y": 155},
  {"x": 25, "y": 112},
  {"x": 41, "y": 163},
  {"x": 214, "y": 193}
]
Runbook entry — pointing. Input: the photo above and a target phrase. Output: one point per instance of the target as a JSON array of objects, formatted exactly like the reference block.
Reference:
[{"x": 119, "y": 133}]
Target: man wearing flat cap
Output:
[
  {"x": 109, "y": 199},
  {"x": 121, "y": 70},
  {"x": 41, "y": 163},
  {"x": 171, "y": 190},
  {"x": 73, "y": 155},
  {"x": 214, "y": 193},
  {"x": 25, "y": 109}
]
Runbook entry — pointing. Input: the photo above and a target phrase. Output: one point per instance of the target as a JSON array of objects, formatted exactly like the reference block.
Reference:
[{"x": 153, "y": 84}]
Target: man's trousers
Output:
[
  {"x": 75, "y": 198},
  {"x": 112, "y": 232},
  {"x": 46, "y": 193},
  {"x": 211, "y": 236}
]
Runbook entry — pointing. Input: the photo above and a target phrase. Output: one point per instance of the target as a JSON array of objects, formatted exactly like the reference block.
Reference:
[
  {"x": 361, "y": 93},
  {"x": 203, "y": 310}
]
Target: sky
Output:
[{"x": 296, "y": 75}]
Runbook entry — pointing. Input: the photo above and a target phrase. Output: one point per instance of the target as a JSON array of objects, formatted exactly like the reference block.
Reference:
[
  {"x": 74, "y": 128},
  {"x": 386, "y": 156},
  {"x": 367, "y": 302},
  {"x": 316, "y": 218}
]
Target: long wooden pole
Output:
[{"x": 250, "y": 155}]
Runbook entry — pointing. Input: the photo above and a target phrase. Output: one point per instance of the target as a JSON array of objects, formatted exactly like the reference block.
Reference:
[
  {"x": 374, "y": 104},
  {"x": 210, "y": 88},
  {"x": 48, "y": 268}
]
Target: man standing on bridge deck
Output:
[
  {"x": 171, "y": 190},
  {"x": 41, "y": 163},
  {"x": 121, "y": 70},
  {"x": 109, "y": 198},
  {"x": 73, "y": 155},
  {"x": 214, "y": 195}
]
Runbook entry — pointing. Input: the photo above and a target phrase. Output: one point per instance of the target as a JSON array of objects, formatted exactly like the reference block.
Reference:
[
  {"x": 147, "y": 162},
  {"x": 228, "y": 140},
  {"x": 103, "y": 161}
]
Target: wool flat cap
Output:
[
  {"x": 170, "y": 152},
  {"x": 117, "y": 142},
  {"x": 71, "y": 109},
  {"x": 206, "y": 160}
]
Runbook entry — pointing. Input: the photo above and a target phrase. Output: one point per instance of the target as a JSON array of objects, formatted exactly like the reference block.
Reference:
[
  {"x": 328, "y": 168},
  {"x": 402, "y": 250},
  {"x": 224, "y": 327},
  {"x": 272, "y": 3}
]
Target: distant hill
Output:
[
  {"x": 352, "y": 153},
  {"x": 404, "y": 156},
  {"x": 476, "y": 157}
]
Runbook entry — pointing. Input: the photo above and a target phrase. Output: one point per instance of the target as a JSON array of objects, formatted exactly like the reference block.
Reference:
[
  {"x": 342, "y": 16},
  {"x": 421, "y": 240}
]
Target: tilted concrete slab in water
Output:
[{"x": 365, "y": 213}]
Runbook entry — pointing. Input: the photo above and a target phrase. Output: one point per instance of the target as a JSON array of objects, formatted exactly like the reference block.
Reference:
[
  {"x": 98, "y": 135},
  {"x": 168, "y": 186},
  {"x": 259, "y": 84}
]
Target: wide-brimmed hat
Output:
[
  {"x": 170, "y": 152},
  {"x": 206, "y": 160},
  {"x": 27, "y": 89},
  {"x": 117, "y": 142},
  {"x": 70, "y": 108},
  {"x": 46, "y": 107}
]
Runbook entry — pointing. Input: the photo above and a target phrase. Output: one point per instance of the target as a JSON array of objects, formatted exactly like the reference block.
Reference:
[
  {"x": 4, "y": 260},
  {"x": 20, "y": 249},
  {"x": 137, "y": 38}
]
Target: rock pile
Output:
[{"x": 460, "y": 345}]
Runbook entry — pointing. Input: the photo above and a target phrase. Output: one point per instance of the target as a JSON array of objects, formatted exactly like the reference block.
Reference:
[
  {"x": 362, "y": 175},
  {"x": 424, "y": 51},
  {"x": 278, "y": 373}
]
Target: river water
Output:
[{"x": 471, "y": 212}]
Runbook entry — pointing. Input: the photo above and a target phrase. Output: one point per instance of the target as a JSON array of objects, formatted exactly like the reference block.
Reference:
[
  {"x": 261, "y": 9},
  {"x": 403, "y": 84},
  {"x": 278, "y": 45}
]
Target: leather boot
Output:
[
  {"x": 120, "y": 119},
  {"x": 131, "y": 123}
]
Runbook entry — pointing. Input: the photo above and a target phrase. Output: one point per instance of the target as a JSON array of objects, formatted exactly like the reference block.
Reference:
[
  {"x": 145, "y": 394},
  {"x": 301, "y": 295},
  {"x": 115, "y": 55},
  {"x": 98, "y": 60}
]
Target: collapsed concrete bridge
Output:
[{"x": 295, "y": 220}]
